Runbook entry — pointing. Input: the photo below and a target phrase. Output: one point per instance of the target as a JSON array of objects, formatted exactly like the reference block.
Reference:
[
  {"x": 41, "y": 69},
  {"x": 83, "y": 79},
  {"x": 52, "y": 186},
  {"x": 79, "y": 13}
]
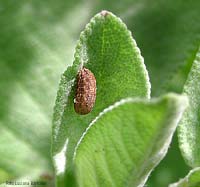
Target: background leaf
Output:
[
  {"x": 126, "y": 141},
  {"x": 189, "y": 129},
  {"x": 168, "y": 36},
  {"x": 191, "y": 180},
  {"x": 108, "y": 50},
  {"x": 37, "y": 43},
  {"x": 32, "y": 58}
]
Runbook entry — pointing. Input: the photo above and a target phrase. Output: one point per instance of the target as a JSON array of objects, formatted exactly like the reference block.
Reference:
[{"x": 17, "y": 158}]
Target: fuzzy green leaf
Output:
[
  {"x": 36, "y": 44},
  {"x": 189, "y": 128},
  {"x": 168, "y": 36},
  {"x": 191, "y": 180},
  {"x": 126, "y": 141},
  {"x": 106, "y": 48}
]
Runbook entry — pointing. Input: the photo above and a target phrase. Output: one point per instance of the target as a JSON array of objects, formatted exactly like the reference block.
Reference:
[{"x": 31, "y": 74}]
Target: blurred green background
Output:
[{"x": 37, "y": 41}]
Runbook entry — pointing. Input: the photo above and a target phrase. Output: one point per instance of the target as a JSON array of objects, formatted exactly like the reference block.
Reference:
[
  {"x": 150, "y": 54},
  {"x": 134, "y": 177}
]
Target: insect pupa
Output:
[{"x": 85, "y": 95}]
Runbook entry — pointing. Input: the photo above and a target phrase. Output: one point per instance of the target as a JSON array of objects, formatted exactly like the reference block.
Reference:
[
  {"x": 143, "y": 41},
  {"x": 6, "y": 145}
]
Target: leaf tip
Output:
[
  {"x": 179, "y": 98},
  {"x": 179, "y": 101},
  {"x": 104, "y": 13}
]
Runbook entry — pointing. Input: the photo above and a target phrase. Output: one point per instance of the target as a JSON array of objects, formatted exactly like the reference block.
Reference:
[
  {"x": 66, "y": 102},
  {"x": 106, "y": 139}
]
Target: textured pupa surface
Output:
[{"x": 85, "y": 92}]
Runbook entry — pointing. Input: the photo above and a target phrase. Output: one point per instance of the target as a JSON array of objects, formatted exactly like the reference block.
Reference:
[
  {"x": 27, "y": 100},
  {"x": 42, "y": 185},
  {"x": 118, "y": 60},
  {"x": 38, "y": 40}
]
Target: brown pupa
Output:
[{"x": 85, "y": 95}]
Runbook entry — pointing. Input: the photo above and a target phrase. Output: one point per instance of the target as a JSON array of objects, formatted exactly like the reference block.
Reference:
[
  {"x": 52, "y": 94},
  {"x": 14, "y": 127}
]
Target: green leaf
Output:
[
  {"x": 126, "y": 141},
  {"x": 189, "y": 128},
  {"x": 18, "y": 158},
  {"x": 191, "y": 180},
  {"x": 178, "y": 79},
  {"x": 168, "y": 35},
  {"x": 106, "y": 48},
  {"x": 36, "y": 43}
]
